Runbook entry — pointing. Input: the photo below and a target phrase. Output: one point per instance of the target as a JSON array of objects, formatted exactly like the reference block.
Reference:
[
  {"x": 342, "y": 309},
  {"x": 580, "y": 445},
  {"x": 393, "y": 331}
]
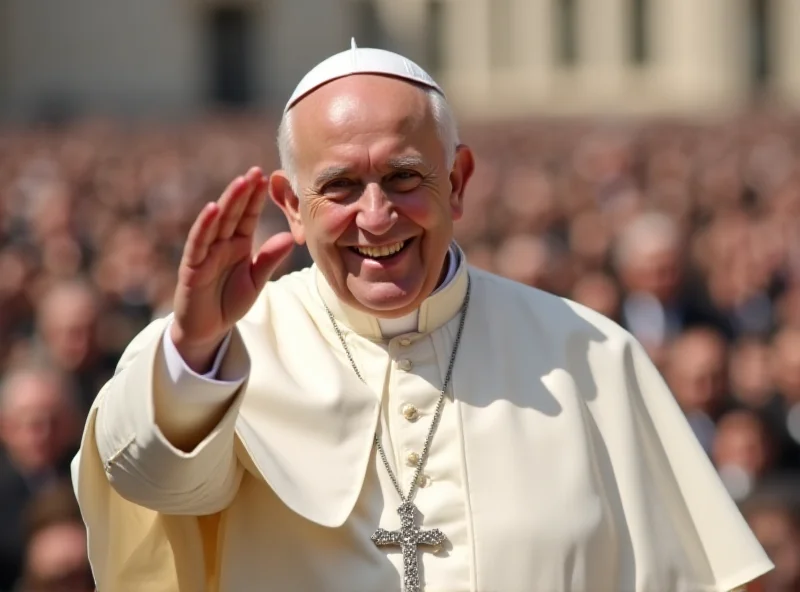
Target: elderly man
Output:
[
  {"x": 388, "y": 418},
  {"x": 39, "y": 425}
]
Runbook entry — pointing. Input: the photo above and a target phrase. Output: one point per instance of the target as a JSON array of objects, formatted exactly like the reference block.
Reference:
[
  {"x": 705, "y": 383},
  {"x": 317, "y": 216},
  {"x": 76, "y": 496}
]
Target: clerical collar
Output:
[{"x": 435, "y": 311}]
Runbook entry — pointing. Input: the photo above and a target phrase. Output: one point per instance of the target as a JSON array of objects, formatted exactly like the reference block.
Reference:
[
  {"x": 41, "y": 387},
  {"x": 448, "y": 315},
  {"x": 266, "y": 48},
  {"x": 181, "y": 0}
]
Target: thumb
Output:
[{"x": 269, "y": 257}]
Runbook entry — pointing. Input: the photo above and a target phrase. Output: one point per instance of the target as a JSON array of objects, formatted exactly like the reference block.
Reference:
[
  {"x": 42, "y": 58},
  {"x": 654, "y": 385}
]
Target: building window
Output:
[
  {"x": 501, "y": 31},
  {"x": 230, "y": 36},
  {"x": 435, "y": 23},
  {"x": 368, "y": 27},
  {"x": 639, "y": 32},
  {"x": 759, "y": 43},
  {"x": 566, "y": 15}
]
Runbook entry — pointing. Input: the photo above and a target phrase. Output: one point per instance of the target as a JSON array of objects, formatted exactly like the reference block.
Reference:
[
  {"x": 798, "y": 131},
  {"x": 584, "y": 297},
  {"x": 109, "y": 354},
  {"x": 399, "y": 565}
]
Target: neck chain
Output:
[{"x": 410, "y": 536}]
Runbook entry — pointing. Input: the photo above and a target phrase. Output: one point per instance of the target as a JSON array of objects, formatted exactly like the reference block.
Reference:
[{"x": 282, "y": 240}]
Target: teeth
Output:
[{"x": 384, "y": 251}]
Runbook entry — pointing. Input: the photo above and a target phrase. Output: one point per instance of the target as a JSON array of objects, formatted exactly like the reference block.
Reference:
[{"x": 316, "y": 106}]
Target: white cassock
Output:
[{"x": 561, "y": 463}]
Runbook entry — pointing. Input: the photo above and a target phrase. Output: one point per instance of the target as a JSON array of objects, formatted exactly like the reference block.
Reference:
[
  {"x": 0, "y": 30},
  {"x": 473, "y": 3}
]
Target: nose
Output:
[{"x": 376, "y": 213}]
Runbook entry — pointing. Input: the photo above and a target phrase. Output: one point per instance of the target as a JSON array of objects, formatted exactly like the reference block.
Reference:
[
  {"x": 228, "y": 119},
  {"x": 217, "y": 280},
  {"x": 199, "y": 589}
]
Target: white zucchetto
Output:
[{"x": 361, "y": 60}]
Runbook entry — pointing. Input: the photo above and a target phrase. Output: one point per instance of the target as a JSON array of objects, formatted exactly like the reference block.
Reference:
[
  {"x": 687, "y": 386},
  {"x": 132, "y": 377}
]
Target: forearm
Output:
[
  {"x": 188, "y": 405},
  {"x": 194, "y": 470}
]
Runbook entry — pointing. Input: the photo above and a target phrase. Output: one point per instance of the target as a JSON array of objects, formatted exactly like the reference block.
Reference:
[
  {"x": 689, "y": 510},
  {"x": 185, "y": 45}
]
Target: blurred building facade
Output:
[{"x": 509, "y": 57}]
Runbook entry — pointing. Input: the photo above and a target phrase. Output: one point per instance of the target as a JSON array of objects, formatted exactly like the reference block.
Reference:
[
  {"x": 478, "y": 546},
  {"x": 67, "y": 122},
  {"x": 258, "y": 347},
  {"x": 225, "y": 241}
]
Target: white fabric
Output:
[
  {"x": 360, "y": 60},
  {"x": 563, "y": 464},
  {"x": 177, "y": 368},
  {"x": 406, "y": 324},
  {"x": 181, "y": 374}
]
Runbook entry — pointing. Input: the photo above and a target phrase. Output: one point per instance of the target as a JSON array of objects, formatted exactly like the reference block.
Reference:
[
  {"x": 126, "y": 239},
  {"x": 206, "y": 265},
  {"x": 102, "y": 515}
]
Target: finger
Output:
[
  {"x": 249, "y": 218},
  {"x": 201, "y": 235},
  {"x": 269, "y": 257},
  {"x": 233, "y": 205}
]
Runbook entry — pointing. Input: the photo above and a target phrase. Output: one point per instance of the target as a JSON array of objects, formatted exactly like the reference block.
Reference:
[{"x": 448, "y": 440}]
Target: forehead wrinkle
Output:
[{"x": 345, "y": 115}]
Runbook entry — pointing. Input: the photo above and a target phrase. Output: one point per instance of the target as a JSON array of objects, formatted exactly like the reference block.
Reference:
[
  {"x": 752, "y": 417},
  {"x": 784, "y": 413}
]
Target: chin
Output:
[{"x": 388, "y": 299}]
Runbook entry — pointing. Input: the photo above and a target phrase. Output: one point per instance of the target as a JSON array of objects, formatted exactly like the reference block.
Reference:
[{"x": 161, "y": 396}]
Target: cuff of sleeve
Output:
[
  {"x": 187, "y": 403},
  {"x": 180, "y": 374}
]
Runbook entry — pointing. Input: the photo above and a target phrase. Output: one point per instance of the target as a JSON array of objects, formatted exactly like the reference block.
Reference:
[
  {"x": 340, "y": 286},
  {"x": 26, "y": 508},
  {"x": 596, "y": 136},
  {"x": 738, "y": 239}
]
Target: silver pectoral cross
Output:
[{"x": 409, "y": 537}]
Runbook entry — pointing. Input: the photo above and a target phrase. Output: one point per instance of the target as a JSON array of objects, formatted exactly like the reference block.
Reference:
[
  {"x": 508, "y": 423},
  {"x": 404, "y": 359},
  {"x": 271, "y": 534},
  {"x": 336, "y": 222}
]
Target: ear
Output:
[
  {"x": 463, "y": 167},
  {"x": 281, "y": 192}
]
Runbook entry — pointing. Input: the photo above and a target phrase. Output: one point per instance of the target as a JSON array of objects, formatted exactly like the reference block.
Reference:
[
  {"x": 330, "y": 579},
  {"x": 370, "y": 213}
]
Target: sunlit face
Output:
[{"x": 377, "y": 200}]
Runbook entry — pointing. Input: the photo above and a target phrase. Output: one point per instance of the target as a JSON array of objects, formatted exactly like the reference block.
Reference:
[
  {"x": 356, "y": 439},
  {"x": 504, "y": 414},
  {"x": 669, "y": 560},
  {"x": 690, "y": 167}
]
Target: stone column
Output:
[
  {"x": 406, "y": 24},
  {"x": 602, "y": 48},
  {"x": 466, "y": 52},
  {"x": 298, "y": 35},
  {"x": 785, "y": 24},
  {"x": 533, "y": 43},
  {"x": 702, "y": 54}
]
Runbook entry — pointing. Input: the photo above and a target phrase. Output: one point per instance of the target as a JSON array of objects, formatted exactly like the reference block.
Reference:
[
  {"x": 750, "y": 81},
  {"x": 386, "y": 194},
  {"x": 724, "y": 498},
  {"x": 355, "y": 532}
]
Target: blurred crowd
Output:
[{"x": 688, "y": 234}]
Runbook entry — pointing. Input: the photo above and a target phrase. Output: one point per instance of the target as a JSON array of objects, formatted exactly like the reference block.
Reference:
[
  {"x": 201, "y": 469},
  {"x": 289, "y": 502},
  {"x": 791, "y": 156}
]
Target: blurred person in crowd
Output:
[
  {"x": 750, "y": 373},
  {"x": 17, "y": 269},
  {"x": 538, "y": 261},
  {"x": 590, "y": 240},
  {"x": 56, "y": 558},
  {"x": 67, "y": 336},
  {"x": 775, "y": 520},
  {"x": 600, "y": 292},
  {"x": 787, "y": 308},
  {"x": 742, "y": 452},
  {"x": 481, "y": 256},
  {"x": 786, "y": 376},
  {"x": 254, "y": 428},
  {"x": 740, "y": 277},
  {"x": 786, "y": 373},
  {"x": 539, "y": 211},
  {"x": 524, "y": 258},
  {"x": 752, "y": 387},
  {"x": 39, "y": 430},
  {"x": 660, "y": 298},
  {"x": 696, "y": 370}
]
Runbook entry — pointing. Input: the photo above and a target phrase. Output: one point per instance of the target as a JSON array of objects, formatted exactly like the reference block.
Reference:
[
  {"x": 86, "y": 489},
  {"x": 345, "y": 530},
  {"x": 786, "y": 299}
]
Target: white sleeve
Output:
[
  {"x": 166, "y": 446},
  {"x": 179, "y": 371},
  {"x": 187, "y": 399}
]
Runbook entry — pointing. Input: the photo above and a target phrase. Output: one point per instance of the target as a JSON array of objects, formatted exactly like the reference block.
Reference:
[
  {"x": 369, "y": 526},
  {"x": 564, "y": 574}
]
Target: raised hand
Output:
[{"x": 219, "y": 277}]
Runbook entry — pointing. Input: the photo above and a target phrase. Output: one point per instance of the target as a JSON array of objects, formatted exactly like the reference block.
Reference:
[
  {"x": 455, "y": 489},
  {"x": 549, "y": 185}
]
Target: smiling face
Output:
[{"x": 377, "y": 199}]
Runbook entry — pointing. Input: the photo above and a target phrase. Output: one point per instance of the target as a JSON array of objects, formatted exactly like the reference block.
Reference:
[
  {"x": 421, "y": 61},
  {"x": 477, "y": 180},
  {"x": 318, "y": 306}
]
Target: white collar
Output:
[
  {"x": 436, "y": 310},
  {"x": 408, "y": 323}
]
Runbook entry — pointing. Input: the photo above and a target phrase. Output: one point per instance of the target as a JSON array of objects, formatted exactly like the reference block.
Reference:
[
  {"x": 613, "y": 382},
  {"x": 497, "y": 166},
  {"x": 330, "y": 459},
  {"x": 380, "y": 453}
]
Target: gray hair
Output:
[
  {"x": 446, "y": 127},
  {"x": 649, "y": 231}
]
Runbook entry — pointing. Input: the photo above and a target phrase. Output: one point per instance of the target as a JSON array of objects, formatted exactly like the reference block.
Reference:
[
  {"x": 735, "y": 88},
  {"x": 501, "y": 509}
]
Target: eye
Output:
[
  {"x": 403, "y": 181},
  {"x": 338, "y": 186}
]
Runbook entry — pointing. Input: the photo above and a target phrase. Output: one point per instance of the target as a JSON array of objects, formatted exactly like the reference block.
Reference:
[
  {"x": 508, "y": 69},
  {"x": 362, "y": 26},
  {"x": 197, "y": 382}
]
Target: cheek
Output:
[
  {"x": 327, "y": 223},
  {"x": 426, "y": 210}
]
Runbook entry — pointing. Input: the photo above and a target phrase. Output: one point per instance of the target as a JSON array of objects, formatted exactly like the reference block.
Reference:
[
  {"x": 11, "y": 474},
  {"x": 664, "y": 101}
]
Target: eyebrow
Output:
[
  {"x": 406, "y": 162},
  {"x": 329, "y": 174},
  {"x": 334, "y": 172}
]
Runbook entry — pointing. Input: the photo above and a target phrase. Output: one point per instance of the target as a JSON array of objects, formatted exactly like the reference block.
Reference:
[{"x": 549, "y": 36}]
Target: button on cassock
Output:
[
  {"x": 405, "y": 341},
  {"x": 410, "y": 412},
  {"x": 412, "y": 459},
  {"x": 405, "y": 365}
]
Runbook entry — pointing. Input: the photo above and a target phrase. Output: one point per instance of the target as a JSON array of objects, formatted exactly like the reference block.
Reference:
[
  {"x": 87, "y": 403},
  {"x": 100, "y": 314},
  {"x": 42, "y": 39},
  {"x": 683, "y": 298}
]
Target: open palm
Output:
[{"x": 219, "y": 277}]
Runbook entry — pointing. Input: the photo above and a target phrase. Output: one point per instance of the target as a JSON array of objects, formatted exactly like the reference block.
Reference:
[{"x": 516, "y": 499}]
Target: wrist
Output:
[{"x": 197, "y": 355}]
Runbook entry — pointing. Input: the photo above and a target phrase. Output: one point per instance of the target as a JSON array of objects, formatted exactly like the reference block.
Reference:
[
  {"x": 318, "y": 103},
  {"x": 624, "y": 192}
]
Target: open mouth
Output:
[{"x": 384, "y": 252}]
